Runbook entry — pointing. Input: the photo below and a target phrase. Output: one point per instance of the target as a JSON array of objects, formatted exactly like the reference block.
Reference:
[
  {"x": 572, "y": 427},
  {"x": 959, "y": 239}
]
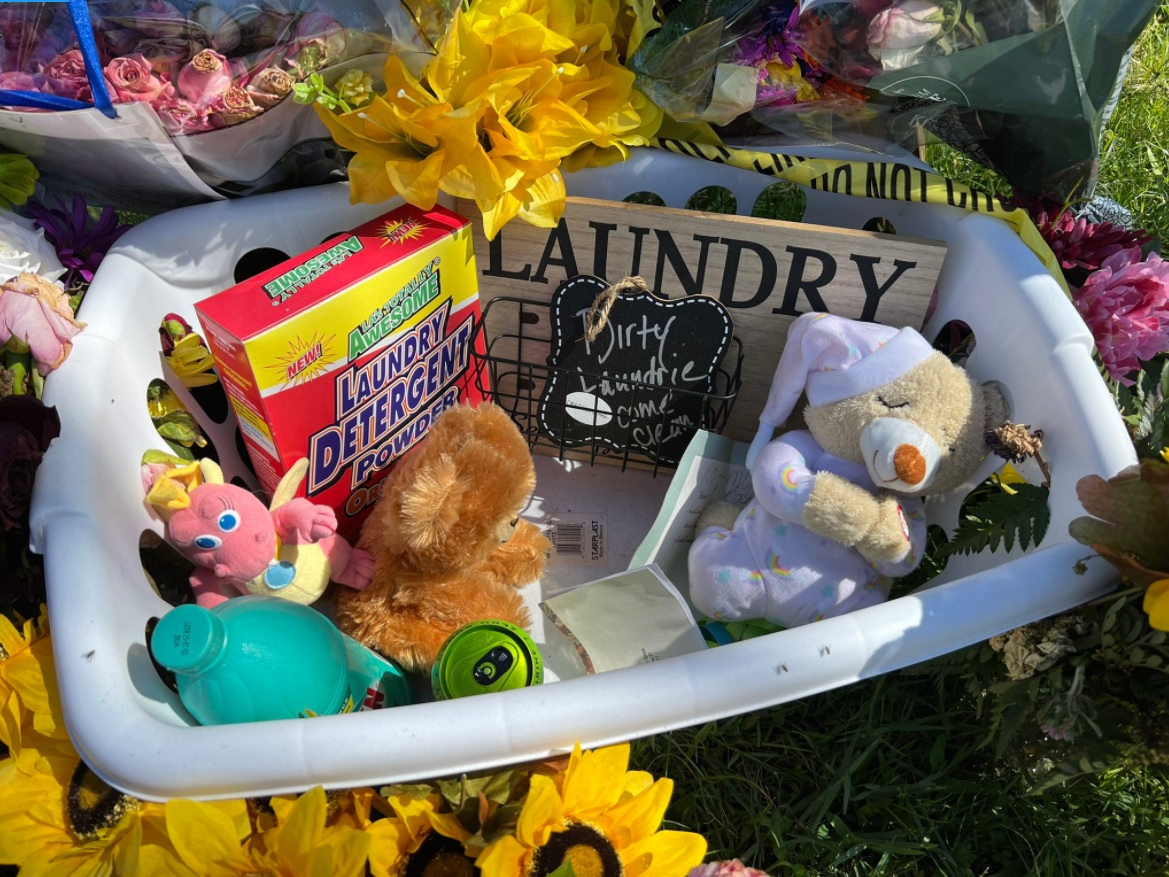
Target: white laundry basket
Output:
[{"x": 88, "y": 516}]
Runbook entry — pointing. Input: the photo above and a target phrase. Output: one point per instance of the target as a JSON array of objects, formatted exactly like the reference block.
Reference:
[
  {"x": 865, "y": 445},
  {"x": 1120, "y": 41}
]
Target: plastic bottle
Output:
[{"x": 254, "y": 658}]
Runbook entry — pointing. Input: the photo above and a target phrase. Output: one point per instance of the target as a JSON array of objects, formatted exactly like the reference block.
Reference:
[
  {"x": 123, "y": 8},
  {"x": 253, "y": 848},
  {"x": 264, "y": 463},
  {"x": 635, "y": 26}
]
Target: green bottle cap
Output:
[
  {"x": 486, "y": 656},
  {"x": 188, "y": 639}
]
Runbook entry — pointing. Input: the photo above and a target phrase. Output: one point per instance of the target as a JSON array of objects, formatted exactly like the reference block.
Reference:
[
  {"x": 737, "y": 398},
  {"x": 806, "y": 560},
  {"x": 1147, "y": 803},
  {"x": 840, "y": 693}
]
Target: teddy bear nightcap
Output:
[
  {"x": 832, "y": 358},
  {"x": 837, "y": 511}
]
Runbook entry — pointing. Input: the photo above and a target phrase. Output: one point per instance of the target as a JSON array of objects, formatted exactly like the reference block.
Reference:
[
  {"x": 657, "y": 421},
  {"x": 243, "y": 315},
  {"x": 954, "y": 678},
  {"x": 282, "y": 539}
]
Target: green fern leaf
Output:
[{"x": 1001, "y": 518}]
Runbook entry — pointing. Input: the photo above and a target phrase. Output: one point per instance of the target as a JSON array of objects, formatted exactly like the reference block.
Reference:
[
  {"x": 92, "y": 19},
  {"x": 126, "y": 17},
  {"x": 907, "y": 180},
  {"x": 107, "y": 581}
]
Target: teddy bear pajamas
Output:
[{"x": 769, "y": 566}]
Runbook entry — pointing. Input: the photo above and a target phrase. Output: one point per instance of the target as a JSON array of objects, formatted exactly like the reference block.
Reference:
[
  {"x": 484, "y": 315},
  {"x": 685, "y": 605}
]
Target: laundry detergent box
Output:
[{"x": 347, "y": 353}]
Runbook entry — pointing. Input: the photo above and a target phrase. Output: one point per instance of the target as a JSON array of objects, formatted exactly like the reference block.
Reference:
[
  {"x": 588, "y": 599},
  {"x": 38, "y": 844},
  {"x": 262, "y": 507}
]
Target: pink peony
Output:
[
  {"x": 204, "y": 78},
  {"x": 37, "y": 312},
  {"x": 269, "y": 87},
  {"x": 65, "y": 76},
  {"x": 181, "y": 117},
  {"x": 727, "y": 868},
  {"x": 1126, "y": 305},
  {"x": 133, "y": 79}
]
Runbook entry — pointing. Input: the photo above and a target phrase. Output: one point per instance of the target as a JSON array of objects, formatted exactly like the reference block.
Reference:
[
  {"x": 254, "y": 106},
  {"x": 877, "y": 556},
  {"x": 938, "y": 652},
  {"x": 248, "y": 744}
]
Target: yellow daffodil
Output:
[
  {"x": 415, "y": 833},
  {"x": 1165, "y": 454},
  {"x": 408, "y": 141},
  {"x": 1157, "y": 604},
  {"x": 600, "y": 818},
  {"x": 516, "y": 87}
]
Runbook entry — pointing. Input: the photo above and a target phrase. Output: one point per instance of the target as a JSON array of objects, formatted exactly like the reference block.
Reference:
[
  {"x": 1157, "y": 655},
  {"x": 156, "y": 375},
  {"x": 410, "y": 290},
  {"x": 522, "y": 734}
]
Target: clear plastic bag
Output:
[{"x": 203, "y": 69}]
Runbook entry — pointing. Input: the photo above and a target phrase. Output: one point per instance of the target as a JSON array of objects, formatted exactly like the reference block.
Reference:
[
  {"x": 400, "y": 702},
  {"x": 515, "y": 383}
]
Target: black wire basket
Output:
[{"x": 510, "y": 362}]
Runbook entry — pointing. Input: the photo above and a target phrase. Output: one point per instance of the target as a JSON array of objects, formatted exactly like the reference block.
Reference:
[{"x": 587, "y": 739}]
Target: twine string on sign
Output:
[{"x": 598, "y": 314}]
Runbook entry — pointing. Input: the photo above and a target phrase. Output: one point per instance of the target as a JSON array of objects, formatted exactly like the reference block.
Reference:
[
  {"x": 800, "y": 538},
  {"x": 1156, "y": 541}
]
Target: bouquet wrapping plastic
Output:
[
  {"x": 203, "y": 70},
  {"x": 1024, "y": 86}
]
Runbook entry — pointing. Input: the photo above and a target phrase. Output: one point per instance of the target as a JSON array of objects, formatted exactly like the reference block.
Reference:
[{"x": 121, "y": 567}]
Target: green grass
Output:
[
  {"x": 890, "y": 777},
  {"x": 1134, "y": 160},
  {"x": 894, "y": 776}
]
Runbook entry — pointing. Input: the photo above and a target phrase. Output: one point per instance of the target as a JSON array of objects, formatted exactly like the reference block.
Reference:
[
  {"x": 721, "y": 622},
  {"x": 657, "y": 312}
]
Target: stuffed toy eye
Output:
[
  {"x": 229, "y": 520},
  {"x": 207, "y": 543}
]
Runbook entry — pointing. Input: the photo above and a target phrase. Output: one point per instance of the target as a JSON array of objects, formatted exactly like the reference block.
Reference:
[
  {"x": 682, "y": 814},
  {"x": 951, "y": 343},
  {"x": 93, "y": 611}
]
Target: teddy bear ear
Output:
[
  {"x": 997, "y": 407},
  {"x": 431, "y": 506}
]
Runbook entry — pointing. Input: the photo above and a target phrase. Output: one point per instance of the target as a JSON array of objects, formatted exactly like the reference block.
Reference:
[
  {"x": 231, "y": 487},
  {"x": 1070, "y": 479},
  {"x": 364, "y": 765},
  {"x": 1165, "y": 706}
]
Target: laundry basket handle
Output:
[{"x": 87, "y": 42}]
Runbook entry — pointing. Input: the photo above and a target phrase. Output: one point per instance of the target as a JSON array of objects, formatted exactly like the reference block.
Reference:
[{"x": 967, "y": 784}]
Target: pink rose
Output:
[
  {"x": 65, "y": 76},
  {"x": 181, "y": 117},
  {"x": 269, "y": 87},
  {"x": 133, "y": 79},
  {"x": 37, "y": 312},
  {"x": 234, "y": 106},
  {"x": 204, "y": 78},
  {"x": 21, "y": 81}
]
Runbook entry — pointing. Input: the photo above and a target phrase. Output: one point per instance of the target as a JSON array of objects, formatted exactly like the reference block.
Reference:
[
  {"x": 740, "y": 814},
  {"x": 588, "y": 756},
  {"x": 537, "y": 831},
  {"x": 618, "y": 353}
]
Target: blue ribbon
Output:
[{"x": 87, "y": 43}]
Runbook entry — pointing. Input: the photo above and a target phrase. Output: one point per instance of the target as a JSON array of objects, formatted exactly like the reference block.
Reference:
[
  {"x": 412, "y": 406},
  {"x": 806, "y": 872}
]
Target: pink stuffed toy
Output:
[{"x": 291, "y": 550}]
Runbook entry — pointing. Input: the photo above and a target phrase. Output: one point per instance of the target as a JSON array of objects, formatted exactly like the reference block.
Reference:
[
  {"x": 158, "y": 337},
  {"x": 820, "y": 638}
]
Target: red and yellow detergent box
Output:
[{"x": 347, "y": 353}]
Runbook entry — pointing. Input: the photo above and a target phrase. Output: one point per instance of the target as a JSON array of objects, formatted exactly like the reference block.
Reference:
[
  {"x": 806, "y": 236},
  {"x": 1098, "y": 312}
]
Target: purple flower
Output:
[
  {"x": 80, "y": 242},
  {"x": 1126, "y": 305}
]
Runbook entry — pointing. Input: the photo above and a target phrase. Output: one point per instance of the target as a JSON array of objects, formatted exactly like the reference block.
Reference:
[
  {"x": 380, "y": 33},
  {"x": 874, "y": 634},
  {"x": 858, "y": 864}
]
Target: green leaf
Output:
[
  {"x": 1000, "y": 518},
  {"x": 564, "y": 870},
  {"x": 18, "y": 177}
]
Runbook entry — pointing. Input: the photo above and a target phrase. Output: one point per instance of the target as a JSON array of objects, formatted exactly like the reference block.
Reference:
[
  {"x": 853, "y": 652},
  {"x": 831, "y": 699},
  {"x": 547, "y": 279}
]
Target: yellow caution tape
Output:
[{"x": 891, "y": 181}]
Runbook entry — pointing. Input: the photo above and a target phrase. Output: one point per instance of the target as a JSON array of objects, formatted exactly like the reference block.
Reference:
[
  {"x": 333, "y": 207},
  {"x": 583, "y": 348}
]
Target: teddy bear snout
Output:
[
  {"x": 909, "y": 464},
  {"x": 899, "y": 454}
]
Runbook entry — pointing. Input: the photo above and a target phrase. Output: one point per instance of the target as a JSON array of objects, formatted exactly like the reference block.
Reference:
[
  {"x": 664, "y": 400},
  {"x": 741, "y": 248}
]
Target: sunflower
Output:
[
  {"x": 598, "y": 817},
  {"x": 301, "y": 841},
  {"x": 28, "y": 713},
  {"x": 415, "y": 840},
  {"x": 58, "y": 818}
]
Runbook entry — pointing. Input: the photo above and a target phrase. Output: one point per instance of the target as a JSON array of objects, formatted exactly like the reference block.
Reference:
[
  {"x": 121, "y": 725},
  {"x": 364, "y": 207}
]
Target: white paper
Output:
[{"x": 634, "y": 617}]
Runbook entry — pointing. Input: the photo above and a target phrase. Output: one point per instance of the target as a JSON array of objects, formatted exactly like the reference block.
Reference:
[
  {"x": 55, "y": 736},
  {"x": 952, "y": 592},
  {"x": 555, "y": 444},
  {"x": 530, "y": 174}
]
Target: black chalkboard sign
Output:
[{"x": 641, "y": 384}]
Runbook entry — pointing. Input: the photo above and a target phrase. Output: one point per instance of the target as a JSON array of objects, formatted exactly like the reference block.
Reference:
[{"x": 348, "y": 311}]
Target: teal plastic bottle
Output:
[{"x": 254, "y": 658}]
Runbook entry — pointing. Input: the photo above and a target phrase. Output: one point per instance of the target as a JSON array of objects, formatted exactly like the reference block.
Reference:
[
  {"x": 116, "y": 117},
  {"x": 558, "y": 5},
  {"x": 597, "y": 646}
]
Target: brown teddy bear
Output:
[
  {"x": 448, "y": 544},
  {"x": 838, "y": 508}
]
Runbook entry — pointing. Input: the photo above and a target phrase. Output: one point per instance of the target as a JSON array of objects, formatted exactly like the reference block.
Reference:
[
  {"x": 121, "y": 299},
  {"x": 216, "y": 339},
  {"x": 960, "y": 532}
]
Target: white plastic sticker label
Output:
[{"x": 577, "y": 541}]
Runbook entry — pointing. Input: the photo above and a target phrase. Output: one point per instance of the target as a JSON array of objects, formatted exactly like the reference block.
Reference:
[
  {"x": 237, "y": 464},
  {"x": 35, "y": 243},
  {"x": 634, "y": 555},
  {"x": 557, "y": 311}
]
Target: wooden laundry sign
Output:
[{"x": 765, "y": 272}]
